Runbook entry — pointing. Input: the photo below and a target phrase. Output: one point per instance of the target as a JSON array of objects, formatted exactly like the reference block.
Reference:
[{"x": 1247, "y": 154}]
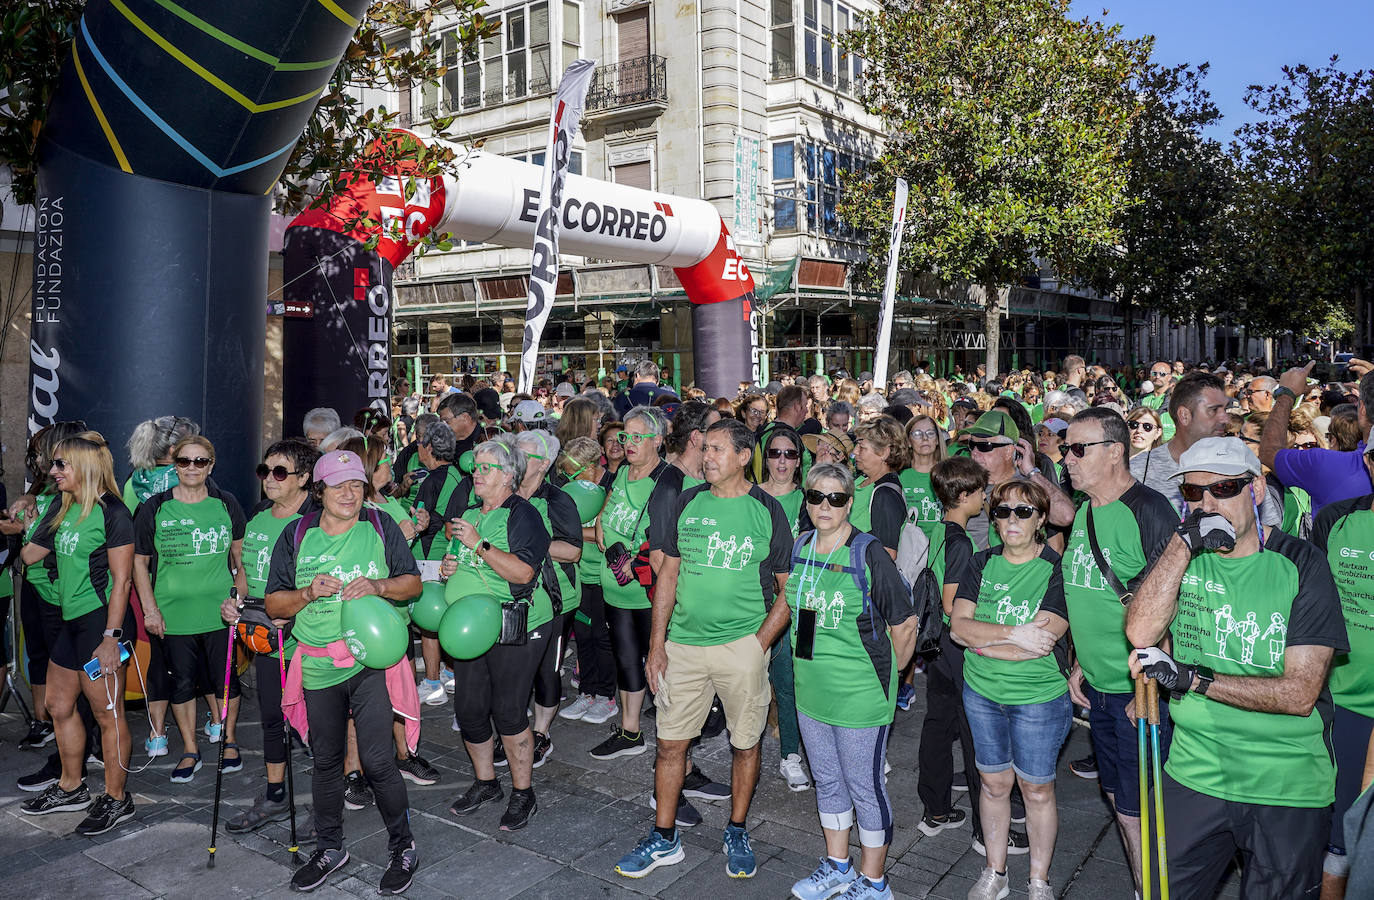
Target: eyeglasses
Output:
[
  {"x": 1249, "y": 440},
  {"x": 1138, "y": 425},
  {"x": 1023, "y": 511},
  {"x": 59, "y": 464},
  {"x": 1159, "y": 374},
  {"x": 986, "y": 446},
  {"x": 923, "y": 434},
  {"x": 278, "y": 473},
  {"x": 836, "y": 499},
  {"x": 631, "y": 437},
  {"x": 186, "y": 462},
  {"x": 1306, "y": 445},
  {"x": 488, "y": 468},
  {"x": 780, "y": 453},
  {"x": 1222, "y": 490},
  {"x": 1079, "y": 449},
  {"x": 572, "y": 476}
]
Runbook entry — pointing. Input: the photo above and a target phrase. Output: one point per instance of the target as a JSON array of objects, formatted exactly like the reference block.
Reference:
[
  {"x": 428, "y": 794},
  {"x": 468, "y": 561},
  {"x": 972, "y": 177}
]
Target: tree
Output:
[{"x": 1008, "y": 120}]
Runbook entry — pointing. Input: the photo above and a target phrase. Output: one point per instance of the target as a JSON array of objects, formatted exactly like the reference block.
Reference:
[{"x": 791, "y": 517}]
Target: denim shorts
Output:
[{"x": 1025, "y": 738}]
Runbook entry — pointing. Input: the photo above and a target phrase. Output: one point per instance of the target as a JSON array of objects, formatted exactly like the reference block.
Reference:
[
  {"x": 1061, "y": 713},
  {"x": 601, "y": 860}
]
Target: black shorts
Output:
[
  {"x": 42, "y": 623},
  {"x": 197, "y": 661},
  {"x": 78, "y": 638}
]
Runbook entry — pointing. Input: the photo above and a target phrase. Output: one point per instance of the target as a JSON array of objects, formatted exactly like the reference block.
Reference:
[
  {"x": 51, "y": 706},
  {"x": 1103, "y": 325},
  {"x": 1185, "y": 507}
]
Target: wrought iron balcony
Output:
[{"x": 629, "y": 85}]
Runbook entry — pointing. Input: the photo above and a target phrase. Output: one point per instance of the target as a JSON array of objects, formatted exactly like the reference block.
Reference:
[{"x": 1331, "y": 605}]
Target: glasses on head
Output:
[
  {"x": 187, "y": 462},
  {"x": 1222, "y": 490},
  {"x": 632, "y": 437},
  {"x": 278, "y": 473},
  {"x": 1140, "y": 425},
  {"x": 1306, "y": 445},
  {"x": 1080, "y": 448},
  {"x": 488, "y": 468},
  {"x": 923, "y": 434},
  {"x": 782, "y": 453},
  {"x": 836, "y": 499},
  {"x": 1022, "y": 510},
  {"x": 986, "y": 446},
  {"x": 59, "y": 464}
]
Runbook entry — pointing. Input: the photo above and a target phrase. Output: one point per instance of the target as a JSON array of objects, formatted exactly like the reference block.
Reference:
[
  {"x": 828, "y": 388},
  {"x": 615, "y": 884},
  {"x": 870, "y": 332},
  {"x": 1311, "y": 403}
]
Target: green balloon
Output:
[
  {"x": 466, "y": 462},
  {"x": 374, "y": 631},
  {"x": 427, "y": 609},
  {"x": 471, "y": 626},
  {"x": 587, "y": 496}
]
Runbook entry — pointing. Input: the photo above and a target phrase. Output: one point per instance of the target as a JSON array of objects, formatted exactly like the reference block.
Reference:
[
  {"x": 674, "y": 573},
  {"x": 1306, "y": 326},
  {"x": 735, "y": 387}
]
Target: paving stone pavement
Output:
[{"x": 590, "y": 813}]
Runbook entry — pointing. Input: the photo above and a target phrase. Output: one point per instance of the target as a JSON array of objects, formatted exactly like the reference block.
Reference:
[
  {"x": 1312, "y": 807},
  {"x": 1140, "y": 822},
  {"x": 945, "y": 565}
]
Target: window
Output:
[
  {"x": 635, "y": 174},
  {"x": 816, "y": 184},
  {"x": 784, "y": 186},
  {"x": 827, "y": 41},
  {"x": 842, "y": 26},
  {"x": 572, "y": 32},
  {"x": 783, "y": 38},
  {"x": 517, "y": 62}
]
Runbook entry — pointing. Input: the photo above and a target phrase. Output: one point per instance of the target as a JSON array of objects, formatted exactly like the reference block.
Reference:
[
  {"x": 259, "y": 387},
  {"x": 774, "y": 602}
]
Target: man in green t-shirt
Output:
[
  {"x": 725, "y": 560},
  {"x": 1253, "y": 620}
]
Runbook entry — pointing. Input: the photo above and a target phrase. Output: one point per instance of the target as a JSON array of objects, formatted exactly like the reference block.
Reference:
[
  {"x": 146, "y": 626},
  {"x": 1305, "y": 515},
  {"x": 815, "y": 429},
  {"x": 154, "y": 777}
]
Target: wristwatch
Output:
[
  {"x": 116, "y": 633},
  {"x": 1282, "y": 391},
  {"x": 1205, "y": 677},
  {"x": 484, "y": 547}
]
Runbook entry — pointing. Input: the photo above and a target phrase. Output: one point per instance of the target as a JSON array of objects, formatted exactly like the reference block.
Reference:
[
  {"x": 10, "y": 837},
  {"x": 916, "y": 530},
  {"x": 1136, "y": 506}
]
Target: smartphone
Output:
[
  {"x": 806, "y": 633},
  {"x": 92, "y": 667}
]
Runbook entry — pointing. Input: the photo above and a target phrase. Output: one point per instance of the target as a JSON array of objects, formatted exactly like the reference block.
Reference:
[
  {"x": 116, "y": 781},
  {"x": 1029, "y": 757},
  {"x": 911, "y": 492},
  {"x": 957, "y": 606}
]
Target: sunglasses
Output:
[
  {"x": 836, "y": 499},
  {"x": 1160, "y": 374},
  {"x": 631, "y": 437},
  {"x": 1079, "y": 449},
  {"x": 1306, "y": 445},
  {"x": 1146, "y": 427},
  {"x": 1222, "y": 490},
  {"x": 985, "y": 446},
  {"x": 1023, "y": 511},
  {"x": 186, "y": 462},
  {"x": 780, "y": 453},
  {"x": 278, "y": 473},
  {"x": 923, "y": 434},
  {"x": 59, "y": 464}
]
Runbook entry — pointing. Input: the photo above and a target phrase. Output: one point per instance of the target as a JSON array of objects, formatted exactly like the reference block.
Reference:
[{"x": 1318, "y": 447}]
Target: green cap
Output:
[{"x": 994, "y": 423}]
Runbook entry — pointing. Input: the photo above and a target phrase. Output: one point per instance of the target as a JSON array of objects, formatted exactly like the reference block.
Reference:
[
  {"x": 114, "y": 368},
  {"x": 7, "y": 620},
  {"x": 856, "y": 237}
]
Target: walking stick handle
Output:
[
  {"x": 1152, "y": 701},
  {"x": 1140, "y": 703}
]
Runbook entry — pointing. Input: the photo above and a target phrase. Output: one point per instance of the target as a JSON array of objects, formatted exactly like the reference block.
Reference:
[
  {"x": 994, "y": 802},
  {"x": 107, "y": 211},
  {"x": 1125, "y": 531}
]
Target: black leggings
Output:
[
  {"x": 495, "y": 687},
  {"x": 944, "y": 722},
  {"x": 196, "y": 660},
  {"x": 41, "y": 620},
  {"x": 265, "y": 669},
  {"x": 630, "y": 630},
  {"x": 548, "y": 687},
  {"x": 595, "y": 660}
]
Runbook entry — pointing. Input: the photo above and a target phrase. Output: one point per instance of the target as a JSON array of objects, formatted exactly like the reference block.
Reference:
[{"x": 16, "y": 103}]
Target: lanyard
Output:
[{"x": 810, "y": 564}]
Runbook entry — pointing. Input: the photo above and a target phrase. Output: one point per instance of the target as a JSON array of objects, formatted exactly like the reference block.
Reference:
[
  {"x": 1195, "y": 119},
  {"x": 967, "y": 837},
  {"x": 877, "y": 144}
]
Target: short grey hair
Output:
[
  {"x": 1076, "y": 403},
  {"x": 423, "y": 421},
  {"x": 540, "y": 442},
  {"x": 507, "y": 454},
  {"x": 647, "y": 368},
  {"x": 657, "y": 425},
  {"x": 1055, "y": 399},
  {"x": 338, "y": 436},
  {"x": 903, "y": 375},
  {"x": 440, "y": 440},
  {"x": 410, "y": 406},
  {"x": 153, "y": 439},
  {"x": 604, "y": 407},
  {"x": 838, "y": 473},
  {"x": 321, "y": 418},
  {"x": 873, "y": 401}
]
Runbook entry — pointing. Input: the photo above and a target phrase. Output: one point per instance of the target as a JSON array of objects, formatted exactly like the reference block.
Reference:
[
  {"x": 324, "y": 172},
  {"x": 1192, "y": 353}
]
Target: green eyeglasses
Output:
[
  {"x": 572, "y": 476},
  {"x": 631, "y": 437},
  {"x": 488, "y": 468}
]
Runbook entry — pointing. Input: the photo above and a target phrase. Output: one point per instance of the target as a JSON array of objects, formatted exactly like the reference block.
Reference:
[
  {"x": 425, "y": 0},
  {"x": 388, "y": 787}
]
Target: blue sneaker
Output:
[
  {"x": 650, "y": 853},
  {"x": 213, "y": 730},
  {"x": 863, "y": 889},
  {"x": 825, "y": 882},
  {"x": 905, "y": 694},
  {"x": 739, "y": 854}
]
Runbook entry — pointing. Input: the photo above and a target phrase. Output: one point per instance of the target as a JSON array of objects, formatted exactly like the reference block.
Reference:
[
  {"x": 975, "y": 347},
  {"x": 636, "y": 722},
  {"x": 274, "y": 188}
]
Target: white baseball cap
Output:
[{"x": 1220, "y": 456}]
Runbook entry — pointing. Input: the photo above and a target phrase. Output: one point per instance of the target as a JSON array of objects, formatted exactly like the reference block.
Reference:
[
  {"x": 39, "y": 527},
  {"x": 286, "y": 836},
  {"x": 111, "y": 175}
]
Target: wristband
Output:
[{"x": 1282, "y": 391}]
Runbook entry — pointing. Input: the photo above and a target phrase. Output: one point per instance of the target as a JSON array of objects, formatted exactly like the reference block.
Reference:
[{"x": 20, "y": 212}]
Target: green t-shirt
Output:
[
  {"x": 731, "y": 549},
  {"x": 626, "y": 519},
  {"x": 1238, "y": 616},
  {"x": 1345, "y": 530},
  {"x": 42, "y": 574},
  {"x": 559, "y": 515},
  {"x": 951, "y": 549},
  {"x": 880, "y": 512},
  {"x": 1297, "y": 506},
  {"x": 1014, "y": 594},
  {"x": 1154, "y": 401},
  {"x": 259, "y": 537},
  {"x": 1131, "y": 531},
  {"x": 189, "y": 545},
  {"x": 791, "y": 504},
  {"x": 82, "y": 550},
  {"x": 920, "y": 497},
  {"x": 360, "y": 552},
  {"x": 851, "y": 678},
  {"x": 517, "y": 528},
  {"x": 593, "y": 561}
]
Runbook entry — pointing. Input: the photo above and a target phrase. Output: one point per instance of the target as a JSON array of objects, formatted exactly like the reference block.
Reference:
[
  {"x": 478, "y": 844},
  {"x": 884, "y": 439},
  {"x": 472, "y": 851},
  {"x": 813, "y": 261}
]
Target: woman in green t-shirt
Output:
[
  {"x": 1009, "y": 611},
  {"x": 880, "y": 452},
  {"x": 848, "y": 648}
]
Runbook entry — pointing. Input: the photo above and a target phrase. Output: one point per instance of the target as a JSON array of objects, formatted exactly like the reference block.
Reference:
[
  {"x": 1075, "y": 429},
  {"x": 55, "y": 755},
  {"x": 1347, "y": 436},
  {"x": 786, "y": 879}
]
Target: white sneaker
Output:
[
  {"x": 1039, "y": 890},
  {"x": 446, "y": 678},
  {"x": 213, "y": 730},
  {"x": 578, "y": 708},
  {"x": 989, "y": 886},
  {"x": 603, "y": 709},
  {"x": 792, "y": 771},
  {"x": 432, "y": 693}
]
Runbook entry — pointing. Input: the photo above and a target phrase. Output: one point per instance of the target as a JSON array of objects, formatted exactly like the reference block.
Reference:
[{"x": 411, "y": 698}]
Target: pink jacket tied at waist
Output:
[{"x": 400, "y": 687}]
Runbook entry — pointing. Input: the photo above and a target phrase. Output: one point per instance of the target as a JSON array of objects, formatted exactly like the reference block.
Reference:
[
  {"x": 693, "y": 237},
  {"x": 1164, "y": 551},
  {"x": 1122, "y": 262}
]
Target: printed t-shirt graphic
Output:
[
  {"x": 515, "y": 527},
  {"x": 636, "y": 512},
  {"x": 1345, "y": 531},
  {"x": 1239, "y": 616},
  {"x": 189, "y": 544},
  {"x": 920, "y": 497},
  {"x": 791, "y": 504},
  {"x": 82, "y": 550},
  {"x": 259, "y": 538}
]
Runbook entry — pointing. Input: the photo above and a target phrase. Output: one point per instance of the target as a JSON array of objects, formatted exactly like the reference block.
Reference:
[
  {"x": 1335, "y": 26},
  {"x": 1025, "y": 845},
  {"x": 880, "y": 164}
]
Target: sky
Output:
[{"x": 1246, "y": 41}]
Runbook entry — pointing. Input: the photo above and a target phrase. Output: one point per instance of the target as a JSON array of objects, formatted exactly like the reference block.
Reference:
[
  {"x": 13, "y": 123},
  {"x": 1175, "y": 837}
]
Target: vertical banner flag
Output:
[
  {"x": 885, "y": 313},
  {"x": 567, "y": 115}
]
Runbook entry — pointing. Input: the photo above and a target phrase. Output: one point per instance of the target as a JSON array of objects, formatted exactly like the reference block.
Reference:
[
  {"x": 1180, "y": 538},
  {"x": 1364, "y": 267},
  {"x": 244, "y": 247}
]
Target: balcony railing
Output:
[{"x": 633, "y": 82}]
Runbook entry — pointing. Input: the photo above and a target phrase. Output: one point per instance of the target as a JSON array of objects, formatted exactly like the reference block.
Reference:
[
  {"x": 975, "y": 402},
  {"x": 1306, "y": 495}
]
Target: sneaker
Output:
[
  {"x": 156, "y": 745},
  {"x": 184, "y": 773},
  {"x": 1018, "y": 808},
  {"x": 739, "y": 853},
  {"x": 40, "y": 735},
  {"x": 446, "y": 679},
  {"x": 54, "y": 799},
  {"x": 418, "y": 770},
  {"x": 793, "y": 773},
  {"x": 863, "y": 889},
  {"x": 578, "y": 708},
  {"x": 432, "y": 692},
  {"x": 650, "y": 853},
  {"x": 356, "y": 793},
  {"x": 602, "y": 710},
  {"x": 44, "y": 778},
  {"x": 1085, "y": 767},
  {"x": 989, "y": 886},
  {"x": 959, "y": 783},
  {"x": 1039, "y": 890},
  {"x": 498, "y": 752},
  {"x": 686, "y": 815},
  {"x": 519, "y": 810},
  {"x": 478, "y": 794},
  {"x": 543, "y": 748},
  {"x": 262, "y": 812},
  {"x": 620, "y": 743},
  {"x": 1017, "y": 844},
  {"x": 213, "y": 730},
  {"x": 106, "y": 814},
  {"x": 399, "y": 871},
  {"x": 697, "y": 786},
  {"x": 321, "y": 865},
  {"x": 905, "y": 694},
  {"x": 933, "y": 825},
  {"x": 826, "y": 881}
]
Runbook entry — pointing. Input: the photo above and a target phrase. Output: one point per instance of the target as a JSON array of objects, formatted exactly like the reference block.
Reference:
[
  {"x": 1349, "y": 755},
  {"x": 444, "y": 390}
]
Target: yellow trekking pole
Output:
[
  {"x": 1141, "y": 713},
  {"x": 1152, "y": 697}
]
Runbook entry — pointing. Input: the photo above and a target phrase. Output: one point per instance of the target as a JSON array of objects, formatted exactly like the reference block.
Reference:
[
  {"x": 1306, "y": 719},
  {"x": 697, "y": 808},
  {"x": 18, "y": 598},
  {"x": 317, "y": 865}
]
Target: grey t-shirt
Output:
[{"x": 1156, "y": 469}]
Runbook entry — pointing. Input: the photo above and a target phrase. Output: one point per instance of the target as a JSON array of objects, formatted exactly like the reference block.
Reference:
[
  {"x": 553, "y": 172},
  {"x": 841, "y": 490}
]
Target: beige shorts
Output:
[{"x": 737, "y": 672}]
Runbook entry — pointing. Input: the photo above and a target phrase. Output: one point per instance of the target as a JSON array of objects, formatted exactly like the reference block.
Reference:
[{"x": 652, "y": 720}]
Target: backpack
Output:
[
  {"x": 304, "y": 523},
  {"x": 913, "y": 562}
]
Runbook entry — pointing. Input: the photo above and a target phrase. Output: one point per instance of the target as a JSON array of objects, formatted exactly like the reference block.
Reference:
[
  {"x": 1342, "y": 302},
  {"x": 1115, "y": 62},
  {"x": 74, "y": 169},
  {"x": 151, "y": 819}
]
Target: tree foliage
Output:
[{"x": 1008, "y": 119}]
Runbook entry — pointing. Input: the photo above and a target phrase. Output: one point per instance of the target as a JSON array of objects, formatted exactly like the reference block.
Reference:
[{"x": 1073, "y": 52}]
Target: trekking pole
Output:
[
  {"x": 1141, "y": 714},
  {"x": 223, "y": 739},
  {"x": 1152, "y": 698},
  {"x": 286, "y": 733}
]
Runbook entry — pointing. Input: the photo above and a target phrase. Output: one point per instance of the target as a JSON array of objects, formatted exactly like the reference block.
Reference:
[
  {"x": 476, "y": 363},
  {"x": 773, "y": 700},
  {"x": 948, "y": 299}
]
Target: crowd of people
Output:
[{"x": 1031, "y": 546}]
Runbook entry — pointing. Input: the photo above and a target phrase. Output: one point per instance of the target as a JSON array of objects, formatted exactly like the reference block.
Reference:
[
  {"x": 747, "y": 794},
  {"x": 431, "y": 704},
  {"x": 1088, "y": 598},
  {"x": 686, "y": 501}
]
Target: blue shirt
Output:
[{"x": 1328, "y": 475}]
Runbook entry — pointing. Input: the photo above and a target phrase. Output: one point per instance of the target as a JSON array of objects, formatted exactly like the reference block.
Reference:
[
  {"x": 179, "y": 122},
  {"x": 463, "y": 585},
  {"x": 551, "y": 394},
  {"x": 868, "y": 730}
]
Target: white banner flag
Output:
[
  {"x": 885, "y": 312},
  {"x": 567, "y": 115}
]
